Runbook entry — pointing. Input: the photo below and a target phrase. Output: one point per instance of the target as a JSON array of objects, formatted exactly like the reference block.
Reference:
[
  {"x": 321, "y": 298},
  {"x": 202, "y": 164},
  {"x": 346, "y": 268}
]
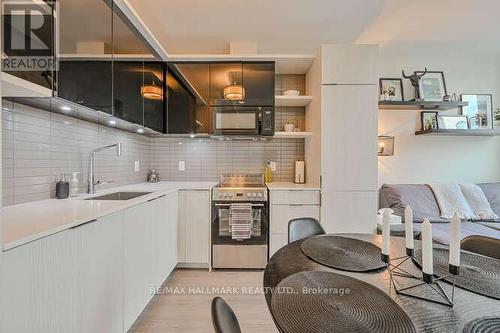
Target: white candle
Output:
[
  {"x": 427, "y": 264},
  {"x": 386, "y": 231},
  {"x": 409, "y": 228},
  {"x": 455, "y": 240}
]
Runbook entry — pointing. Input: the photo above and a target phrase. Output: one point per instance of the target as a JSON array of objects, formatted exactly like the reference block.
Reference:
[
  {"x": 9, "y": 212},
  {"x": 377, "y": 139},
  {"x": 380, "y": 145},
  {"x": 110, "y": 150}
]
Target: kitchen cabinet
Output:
[
  {"x": 99, "y": 275},
  {"x": 88, "y": 83},
  {"x": 95, "y": 277},
  {"x": 194, "y": 227},
  {"x": 138, "y": 260},
  {"x": 181, "y": 105},
  {"x": 286, "y": 206},
  {"x": 154, "y": 108},
  {"x": 37, "y": 286},
  {"x": 349, "y": 64},
  {"x": 350, "y": 156},
  {"x": 127, "y": 84},
  {"x": 252, "y": 81},
  {"x": 164, "y": 233},
  {"x": 258, "y": 80}
]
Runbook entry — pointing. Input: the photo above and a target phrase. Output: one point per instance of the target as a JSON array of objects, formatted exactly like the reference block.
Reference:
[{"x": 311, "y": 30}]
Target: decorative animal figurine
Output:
[{"x": 415, "y": 81}]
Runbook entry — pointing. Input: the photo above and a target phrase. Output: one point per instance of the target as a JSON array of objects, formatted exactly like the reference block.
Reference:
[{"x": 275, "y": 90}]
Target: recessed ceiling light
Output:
[
  {"x": 67, "y": 123},
  {"x": 140, "y": 130},
  {"x": 192, "y": 135},
  {"x": 65, "y": 108},
  {"x": 112, "y": 122}
]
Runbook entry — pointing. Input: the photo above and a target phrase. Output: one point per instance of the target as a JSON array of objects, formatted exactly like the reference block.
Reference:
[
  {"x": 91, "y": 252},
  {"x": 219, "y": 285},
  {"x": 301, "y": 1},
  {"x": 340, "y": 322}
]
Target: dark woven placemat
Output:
[
  {"x": 478, "y": 274},
  {"x": 329, "y": 302},
  {"x": 343, "y": 253},
  {"x": 483, "y": 325}
]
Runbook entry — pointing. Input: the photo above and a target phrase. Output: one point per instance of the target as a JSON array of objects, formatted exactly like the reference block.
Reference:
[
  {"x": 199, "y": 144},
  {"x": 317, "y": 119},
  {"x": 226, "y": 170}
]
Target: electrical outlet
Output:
[
  {"x": 136, "y": 166},
  {"x": 273, "y": 166},
  {"x": 182, "y": 165}
]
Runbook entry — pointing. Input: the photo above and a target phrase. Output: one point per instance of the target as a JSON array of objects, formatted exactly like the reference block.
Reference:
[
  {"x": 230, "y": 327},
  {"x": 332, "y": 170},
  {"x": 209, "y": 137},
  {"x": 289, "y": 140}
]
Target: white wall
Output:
[{"x": 424, "y": 159}]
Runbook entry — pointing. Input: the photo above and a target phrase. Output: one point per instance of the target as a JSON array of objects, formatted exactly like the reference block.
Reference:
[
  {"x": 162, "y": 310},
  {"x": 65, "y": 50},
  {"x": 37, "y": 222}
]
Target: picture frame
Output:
[
  {"x": 429, "y": 120},
  {"x": 394, "y": 85},
  {"x": 432, "y": 86},
  {"x": 453, "y": 122},
  {"x": 479, "y": 110}
]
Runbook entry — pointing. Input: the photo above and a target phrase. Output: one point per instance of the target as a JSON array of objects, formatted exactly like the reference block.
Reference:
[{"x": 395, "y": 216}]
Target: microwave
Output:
[{"x": 243, "y": 120}]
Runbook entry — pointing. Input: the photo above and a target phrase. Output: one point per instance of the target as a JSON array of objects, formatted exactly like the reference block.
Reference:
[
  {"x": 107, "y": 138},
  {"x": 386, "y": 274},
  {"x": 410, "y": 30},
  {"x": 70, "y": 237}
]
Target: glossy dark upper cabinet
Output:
[
  {"x": 88, "y": 83},
  {"x": 226, "y": 84},
  {"x": 153, "y": 93},
  {"x": 181, "y": 105},
  {"x": 198, "y": 76},
  {"x": 237, "y": 83},
  {"x": 127, "y": 84},
  {"x": 258, "y": 81},
  {"x": 85, "y": 73}
]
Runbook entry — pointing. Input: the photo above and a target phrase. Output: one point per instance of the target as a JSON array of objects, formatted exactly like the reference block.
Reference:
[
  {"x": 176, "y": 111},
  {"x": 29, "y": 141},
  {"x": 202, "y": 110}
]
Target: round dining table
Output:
[{"x": 426, "y": 316}]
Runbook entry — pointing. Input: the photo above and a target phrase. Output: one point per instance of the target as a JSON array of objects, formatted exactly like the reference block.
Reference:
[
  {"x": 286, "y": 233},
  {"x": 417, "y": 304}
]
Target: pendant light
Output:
[
  {"x": 234, "y": 92},
  {"x": 152, "y": 92}
]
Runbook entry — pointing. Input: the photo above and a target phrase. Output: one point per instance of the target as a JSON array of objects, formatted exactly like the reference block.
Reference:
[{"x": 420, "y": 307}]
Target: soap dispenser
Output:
[
  {"x": 62, "y": 188},
  {"x": 74, "y": 185},
  {"x": 268, "y": 173}
]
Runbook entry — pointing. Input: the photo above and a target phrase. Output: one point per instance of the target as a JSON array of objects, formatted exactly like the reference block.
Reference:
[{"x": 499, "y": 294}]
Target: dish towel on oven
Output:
[{"x": 240, "y": 220}]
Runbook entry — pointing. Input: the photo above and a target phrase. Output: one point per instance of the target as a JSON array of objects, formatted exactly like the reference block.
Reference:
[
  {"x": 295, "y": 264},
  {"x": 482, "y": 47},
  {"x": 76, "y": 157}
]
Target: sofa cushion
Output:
[
  {"x": 420, "y": 197},
  {"x": 492, "y": 192},
  {"x": 441, "y": 231}
]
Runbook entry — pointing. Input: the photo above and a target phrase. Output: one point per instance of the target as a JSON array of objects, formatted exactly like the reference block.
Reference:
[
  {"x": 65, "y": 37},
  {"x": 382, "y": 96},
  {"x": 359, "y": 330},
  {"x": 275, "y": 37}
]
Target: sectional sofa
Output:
[{"x": 423, "y": 202}]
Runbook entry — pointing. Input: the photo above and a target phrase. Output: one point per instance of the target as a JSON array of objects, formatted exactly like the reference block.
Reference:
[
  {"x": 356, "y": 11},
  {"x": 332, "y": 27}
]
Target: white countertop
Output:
[
  {"x": 287, "y": 186},
  {"x": 27, "y": 222}
]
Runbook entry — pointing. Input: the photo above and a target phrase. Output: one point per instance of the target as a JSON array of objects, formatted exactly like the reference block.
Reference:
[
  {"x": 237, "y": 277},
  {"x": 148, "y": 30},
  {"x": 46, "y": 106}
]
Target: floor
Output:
[{"x": 184, "y": 305}]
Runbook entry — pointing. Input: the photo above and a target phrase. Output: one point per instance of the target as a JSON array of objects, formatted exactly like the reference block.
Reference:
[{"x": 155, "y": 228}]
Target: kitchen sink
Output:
[{"x": 119, "y": 196}]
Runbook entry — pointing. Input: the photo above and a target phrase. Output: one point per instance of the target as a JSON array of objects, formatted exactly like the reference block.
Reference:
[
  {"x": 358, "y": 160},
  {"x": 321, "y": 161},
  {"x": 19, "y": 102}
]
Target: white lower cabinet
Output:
[
  {"x": 164, "y": 237},
  {"x": 194, "y": 227},
  {"x": 138, "y": 260},
  {"x": 286, "y": 206},
  {"x": 36, "y": 286},
  {"x": 99, "y": 275},
  {"x": 96, "y": 277}
]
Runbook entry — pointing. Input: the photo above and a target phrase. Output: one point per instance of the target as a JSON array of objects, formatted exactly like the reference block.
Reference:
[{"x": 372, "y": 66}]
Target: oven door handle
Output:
[{"x": 228, "y": 205}]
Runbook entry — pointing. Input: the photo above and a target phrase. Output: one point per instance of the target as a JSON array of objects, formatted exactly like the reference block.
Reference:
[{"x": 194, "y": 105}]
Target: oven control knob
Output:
[
  {"x": 249, "y": 194},
  {"x": 259, "y": 195},
  {"x": 254, "y": 195}
]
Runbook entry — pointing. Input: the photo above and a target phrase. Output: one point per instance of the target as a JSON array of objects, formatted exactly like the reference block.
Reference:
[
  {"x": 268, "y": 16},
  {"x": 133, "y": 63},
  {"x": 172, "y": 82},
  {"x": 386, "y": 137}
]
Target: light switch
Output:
[
  {"x": 273, "y": 166},
  {"x": 182, "y": 165},
  {"x": 136, "y": 166}
]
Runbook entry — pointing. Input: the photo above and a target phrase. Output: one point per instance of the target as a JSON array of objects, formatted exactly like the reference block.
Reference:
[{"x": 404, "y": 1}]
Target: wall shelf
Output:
[
  {"x": 301, "y": 100},
  {"x": 460, "y": 132},
  {"x": 419, "y": 105},
  {"x": 292, "y": 135}
]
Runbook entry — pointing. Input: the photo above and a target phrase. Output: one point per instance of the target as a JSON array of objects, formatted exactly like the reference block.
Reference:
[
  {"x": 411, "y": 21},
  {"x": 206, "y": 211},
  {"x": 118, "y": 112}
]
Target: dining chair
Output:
[
  {"x": 486, "y": 246},
  {"x": 223, "y": 317},
  {"x": 303, "y": 227}
]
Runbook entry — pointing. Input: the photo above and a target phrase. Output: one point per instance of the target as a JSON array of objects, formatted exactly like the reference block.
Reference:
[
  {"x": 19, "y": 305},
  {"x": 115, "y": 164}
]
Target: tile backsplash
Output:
[
  {"x": 205, "y": 159},
  {"x": 38, "y": 146}
]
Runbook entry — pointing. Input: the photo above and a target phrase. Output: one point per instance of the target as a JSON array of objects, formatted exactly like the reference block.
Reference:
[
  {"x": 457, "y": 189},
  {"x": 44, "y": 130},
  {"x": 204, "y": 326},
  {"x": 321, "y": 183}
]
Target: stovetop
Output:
[{"x": 240, "y": 187}]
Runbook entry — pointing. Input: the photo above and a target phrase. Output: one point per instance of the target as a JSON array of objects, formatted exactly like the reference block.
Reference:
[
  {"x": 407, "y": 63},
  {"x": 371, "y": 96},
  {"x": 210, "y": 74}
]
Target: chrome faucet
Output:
[{"x": 91, "y": 182}]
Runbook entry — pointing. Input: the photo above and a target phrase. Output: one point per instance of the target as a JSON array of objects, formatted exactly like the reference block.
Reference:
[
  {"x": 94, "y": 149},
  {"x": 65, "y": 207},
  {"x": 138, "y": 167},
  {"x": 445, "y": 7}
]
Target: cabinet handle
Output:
[
  {"x": 84, "y": 223},
  {"x": 161, "y": 196}
]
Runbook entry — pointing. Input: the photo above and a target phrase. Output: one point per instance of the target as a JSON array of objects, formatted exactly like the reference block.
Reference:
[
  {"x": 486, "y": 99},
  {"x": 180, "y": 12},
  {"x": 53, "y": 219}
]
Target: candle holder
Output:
[{"x": 424, "y": 281}]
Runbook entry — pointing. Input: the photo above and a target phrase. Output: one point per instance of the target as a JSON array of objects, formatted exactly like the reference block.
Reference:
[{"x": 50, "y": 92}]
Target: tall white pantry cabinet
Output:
[{"x": 347, "y": 112}]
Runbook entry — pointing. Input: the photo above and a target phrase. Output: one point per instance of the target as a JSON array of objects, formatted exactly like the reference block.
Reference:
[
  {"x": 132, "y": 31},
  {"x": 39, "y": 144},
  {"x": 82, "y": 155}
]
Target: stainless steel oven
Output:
[
  {"x": 228, "y": 252},
  {"x": 243, "y": 120}
]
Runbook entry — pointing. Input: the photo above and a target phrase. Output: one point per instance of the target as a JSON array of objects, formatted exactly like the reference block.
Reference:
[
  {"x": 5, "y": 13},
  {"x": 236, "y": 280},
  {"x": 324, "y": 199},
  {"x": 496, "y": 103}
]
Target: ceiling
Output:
[{"x": 298, "y": 26}]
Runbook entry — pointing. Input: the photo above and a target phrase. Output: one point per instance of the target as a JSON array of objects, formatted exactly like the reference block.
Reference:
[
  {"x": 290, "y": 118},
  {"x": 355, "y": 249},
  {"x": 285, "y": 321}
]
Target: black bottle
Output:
[{"x": 62, "y": 188}]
